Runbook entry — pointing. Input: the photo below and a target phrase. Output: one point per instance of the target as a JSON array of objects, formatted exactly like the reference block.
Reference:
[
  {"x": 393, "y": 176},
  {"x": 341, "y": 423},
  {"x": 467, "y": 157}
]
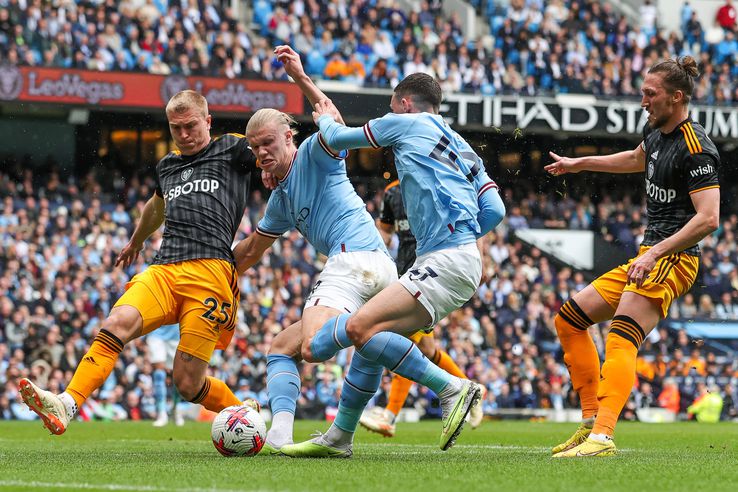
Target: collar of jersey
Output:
[
  {"x": 292, "y": 163},
  {"x": 673, "y": 132}
]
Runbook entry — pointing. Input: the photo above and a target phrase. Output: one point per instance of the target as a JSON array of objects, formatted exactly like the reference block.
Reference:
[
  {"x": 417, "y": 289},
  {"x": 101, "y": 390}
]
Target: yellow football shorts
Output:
[
  {"x": 201, "y": 295},
  {"x": 418, "y": 335},
  {"x": 672, "y": 276}
]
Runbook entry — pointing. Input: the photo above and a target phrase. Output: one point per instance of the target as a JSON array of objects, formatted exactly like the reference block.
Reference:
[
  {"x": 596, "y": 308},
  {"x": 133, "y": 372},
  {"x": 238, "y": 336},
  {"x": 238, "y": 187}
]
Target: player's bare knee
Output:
[
  {"x": 283, "y": 344},
  {"x": 357, "y": 331},
  {"x": 306, "y": 353},
  {"x": 124, "y": 322}
]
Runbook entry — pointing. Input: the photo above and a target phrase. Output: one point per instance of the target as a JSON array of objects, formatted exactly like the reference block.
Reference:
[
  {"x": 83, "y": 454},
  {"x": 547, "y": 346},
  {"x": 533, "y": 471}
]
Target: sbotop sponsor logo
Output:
[
  {"x": 196, "y": 185},
  {"x": 11, "y": 82},
  {"x": 72, "y": 85}
]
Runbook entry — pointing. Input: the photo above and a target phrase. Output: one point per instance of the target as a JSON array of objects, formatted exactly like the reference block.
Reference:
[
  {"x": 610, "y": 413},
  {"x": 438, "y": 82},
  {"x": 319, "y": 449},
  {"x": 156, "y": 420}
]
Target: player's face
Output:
[
  {"x": 656, "y": 100},
  {"x": 190, "y": 130},
  {"x": 271, "y": 145}
]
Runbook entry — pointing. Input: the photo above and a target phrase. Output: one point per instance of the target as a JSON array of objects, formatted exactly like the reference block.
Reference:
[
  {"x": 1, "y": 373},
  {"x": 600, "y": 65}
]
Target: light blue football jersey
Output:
[
  {"x": 317, "y": 198},
  {"x": 435, "y": 167}
]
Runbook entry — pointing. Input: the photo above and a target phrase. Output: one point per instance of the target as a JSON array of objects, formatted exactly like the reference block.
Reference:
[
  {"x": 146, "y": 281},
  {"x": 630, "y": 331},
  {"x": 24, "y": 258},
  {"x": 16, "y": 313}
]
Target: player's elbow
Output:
[{"x": 712, "y": 222}]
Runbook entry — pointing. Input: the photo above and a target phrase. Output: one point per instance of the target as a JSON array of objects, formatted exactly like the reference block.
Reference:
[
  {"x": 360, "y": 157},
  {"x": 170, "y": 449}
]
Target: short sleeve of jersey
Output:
[
  {"x": 701, "y": 172},
  {"x": 322, "y": 155},
  {"x": 386, "y": 214},
  {"x": 274, "y": 222},
  {"x": 387, "y": 130}
]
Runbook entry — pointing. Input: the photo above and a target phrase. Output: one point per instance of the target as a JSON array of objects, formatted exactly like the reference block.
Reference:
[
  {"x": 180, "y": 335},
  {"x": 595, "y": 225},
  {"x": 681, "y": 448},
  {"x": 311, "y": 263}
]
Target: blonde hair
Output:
[
  {"x": 267, "y": 116},
  {"x": 185, "y": 100}
]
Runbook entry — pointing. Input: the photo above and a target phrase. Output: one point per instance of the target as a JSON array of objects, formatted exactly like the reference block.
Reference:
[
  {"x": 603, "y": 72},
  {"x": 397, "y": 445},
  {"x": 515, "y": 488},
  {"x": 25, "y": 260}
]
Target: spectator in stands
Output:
[{"x": 726, "y": 16}]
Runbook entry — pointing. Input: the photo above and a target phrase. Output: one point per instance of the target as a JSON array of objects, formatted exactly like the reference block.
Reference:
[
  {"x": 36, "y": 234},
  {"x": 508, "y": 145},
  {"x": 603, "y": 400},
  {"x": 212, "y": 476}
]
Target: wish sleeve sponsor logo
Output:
[{"x": 705, "y": 170}]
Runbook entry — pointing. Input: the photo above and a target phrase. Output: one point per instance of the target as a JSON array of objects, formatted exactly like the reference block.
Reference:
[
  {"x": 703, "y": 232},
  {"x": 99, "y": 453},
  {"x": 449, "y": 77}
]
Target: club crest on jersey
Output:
[
  {"x": 186, "y": 174},
  {"x": 651, "y": 169}
]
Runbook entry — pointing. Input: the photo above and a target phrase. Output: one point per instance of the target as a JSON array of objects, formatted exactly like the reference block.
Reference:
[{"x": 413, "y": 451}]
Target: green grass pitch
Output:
[{"x": 507, "y": 456}]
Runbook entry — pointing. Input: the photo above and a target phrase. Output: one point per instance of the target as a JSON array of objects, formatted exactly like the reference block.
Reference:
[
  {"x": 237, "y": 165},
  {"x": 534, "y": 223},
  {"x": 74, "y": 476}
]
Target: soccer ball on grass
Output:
[{"x": 238, "y": 431}]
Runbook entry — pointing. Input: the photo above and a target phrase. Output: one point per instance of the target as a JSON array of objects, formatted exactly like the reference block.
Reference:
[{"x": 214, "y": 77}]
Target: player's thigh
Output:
[
  {"x": 593, "y": 304},
  {"x": 646, "y": 311},
  {"x": 393, "y": 309},
  {"x": 314, "y": 317},
  {"x": 209, "y": 295},
  {"x": 147, "y": 304},
  {"x": 288, "y": 341}
]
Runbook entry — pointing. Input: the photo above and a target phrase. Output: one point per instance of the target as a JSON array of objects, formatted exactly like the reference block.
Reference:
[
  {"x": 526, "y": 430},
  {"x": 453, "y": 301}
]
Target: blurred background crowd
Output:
[
  {"x": 530, "y": 47},
  {"x": 59, "y": 238}
]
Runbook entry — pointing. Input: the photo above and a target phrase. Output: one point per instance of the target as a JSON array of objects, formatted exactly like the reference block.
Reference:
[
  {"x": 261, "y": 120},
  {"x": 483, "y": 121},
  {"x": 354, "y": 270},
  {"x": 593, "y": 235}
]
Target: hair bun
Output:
[{"x": 689, "y": 65}]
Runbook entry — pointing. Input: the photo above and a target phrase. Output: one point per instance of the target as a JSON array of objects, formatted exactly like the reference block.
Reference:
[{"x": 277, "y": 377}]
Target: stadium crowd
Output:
[
  {"x": 59, "y": 237},
  {"x": 534, "y": 46}
]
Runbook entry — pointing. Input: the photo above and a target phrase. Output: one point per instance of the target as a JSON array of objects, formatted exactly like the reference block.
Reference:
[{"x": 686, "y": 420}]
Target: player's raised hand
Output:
[
  {"x": 128, "y": 254},
  {"x": 269, "y": 180},
  {"x": 561, "y": 165},
  {"x": 290, "y": 60},
  {"x": 326, "y": 107}
]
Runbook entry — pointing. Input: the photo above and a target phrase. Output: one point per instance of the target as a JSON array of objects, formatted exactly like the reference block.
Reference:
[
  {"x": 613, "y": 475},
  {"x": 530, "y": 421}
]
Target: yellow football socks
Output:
[
  {"x": 95, "y": 366},
  {"x": 215, "y": 395},
  {"x": 618, "y": 372},
  {"x": 580, "y": 355}
]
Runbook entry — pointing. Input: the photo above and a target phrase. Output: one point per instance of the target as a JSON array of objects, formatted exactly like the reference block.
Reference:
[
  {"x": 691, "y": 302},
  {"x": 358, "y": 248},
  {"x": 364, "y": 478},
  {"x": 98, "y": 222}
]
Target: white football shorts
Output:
[
  {"x": 350, "y": 279},
  {"x": 444, "y": 280}
]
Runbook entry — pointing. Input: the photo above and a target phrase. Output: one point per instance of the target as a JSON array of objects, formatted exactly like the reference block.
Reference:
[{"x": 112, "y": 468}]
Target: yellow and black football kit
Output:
[
  {"x": 678, "y": 164},
  {"x": 193, "y": 280}
]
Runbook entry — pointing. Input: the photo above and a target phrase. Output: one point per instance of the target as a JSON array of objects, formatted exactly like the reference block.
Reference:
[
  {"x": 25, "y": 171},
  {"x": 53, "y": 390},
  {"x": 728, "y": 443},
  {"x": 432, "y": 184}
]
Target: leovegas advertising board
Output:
[{"x": 142, "y": 91}]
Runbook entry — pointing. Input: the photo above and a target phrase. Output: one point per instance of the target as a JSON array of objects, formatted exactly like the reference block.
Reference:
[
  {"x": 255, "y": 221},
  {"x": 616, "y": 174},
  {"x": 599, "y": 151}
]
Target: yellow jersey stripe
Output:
[
  {"x": 705, "y": 188},
  {"x": 687, "y": 138},
  {"x": 698, "y": 145}
]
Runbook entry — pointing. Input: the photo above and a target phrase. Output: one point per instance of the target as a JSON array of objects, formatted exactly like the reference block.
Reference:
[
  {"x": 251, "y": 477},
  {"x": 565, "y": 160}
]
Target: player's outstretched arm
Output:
[
  {"x": 250, "y": 250},
  {"x": 336, "y": 134},
  {"x": 630, "y": 161},
  {"x": 293, "y": 66},
  {"x": 491, "y": 210},
  {"x": 152, "y": 218}
]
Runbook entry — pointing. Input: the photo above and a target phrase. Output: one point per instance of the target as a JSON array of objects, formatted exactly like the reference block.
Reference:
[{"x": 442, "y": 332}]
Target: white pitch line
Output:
[{"x": 78, "y": 486}]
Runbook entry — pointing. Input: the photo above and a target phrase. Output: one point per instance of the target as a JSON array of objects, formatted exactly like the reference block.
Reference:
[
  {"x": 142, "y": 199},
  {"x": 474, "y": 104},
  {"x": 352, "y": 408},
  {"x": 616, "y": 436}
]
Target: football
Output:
[{"x": 238, "y": 431}]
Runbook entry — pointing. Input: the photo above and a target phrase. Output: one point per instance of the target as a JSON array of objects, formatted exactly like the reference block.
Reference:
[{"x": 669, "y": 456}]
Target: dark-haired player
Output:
[{"x": 683, "y": 205}]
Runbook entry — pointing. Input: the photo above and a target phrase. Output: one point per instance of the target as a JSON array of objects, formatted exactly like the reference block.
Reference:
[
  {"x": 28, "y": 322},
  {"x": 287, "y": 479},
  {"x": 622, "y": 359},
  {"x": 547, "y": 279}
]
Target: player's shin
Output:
[
  {"x": 401, "y": 356},
  {"x": 580, "y": 355},
  {"x": 361, "y": 383},
  {"x": 618, "y": 372},
  {"x": 95, "y": 366},
  {"x": 283, "y": 386}
]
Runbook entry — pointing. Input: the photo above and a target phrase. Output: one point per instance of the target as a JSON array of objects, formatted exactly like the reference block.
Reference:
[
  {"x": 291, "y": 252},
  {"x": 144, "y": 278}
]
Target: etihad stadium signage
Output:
[
  {"x": 563, "y": 114},
  {"x": 135, "y": 91}
]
